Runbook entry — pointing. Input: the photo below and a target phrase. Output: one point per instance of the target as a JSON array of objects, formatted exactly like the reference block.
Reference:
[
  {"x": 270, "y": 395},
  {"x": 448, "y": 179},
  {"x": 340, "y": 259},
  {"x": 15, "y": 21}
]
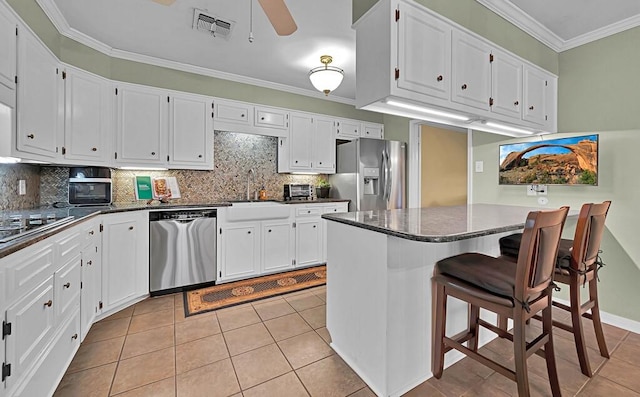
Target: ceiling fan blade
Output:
[
  {"x": 279, "y": 16},
  {"x": 165, "y": 2}
]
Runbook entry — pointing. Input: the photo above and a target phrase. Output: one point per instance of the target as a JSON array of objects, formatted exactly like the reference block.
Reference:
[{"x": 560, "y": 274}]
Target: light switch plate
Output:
[
  {"x": 22, "y": 187},
  {"x": 479, "y": 166},
  {"x": 531, "y": 190},
  {"x": 542, "y": 190}
]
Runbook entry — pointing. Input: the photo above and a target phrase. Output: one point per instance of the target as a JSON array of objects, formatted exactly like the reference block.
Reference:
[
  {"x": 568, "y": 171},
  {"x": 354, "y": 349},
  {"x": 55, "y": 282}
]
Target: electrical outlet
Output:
[
  {"x": 22, "y": 187},
  {"x": 531, "y": 190},
  {"x": 542, "y": 190}
]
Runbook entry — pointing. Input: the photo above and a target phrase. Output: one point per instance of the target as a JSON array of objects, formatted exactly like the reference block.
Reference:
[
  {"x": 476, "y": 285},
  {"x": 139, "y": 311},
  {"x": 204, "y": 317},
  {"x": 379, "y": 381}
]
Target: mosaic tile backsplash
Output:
[
  {"x": 234, "y": 155},
  {"x": 10, "y": 174}
]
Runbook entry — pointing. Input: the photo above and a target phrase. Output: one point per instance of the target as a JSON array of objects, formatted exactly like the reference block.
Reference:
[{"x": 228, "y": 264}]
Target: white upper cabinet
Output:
[
  {"x": 8, "y": 33},
  {"x": 190, "y": 132},
  {"x": 414, "y": 63},
  {"x": 347, "y": 129},
  {"x": 38, "y": 101},
  {"x": 471, "y": 78},
  {"x": 87, "y": 117},
  {"x": 300, "y": 142},
  {"x": 141, "y": 125},
  {"x": 536, "y": 84},
  {"x": 372, "y": 130},
  {"x": 234, "y": 113},
  {"x": 271, "y": 121},
  {"x": 506, "y": 84},
  {"x": 424, "y": 52},
  {"x": 324, "y": 146},
  {"x": 248, "y": 118}
]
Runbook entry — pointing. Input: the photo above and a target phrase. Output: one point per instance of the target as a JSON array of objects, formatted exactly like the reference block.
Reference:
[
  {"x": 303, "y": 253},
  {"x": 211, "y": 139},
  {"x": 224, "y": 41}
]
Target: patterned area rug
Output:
[{"x": 225, "y": 295}]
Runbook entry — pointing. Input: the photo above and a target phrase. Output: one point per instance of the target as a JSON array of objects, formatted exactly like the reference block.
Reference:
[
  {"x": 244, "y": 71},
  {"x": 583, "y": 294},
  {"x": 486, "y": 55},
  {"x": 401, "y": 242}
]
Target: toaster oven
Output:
[{"x": 298, "y": 191}]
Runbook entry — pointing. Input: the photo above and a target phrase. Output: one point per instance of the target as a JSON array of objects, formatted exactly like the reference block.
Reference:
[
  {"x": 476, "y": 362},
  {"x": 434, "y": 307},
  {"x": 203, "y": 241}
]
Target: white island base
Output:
[{"x": 379, "y": 303}]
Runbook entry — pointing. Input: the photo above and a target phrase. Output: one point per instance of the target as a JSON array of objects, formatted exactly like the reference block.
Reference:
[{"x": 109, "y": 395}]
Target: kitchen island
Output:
[{"x": 379, "y": 267}]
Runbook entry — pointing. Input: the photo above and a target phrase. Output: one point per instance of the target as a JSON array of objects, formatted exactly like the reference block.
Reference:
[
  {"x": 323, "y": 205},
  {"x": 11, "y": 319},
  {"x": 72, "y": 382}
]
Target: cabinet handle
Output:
[
  {"x": 269, "y": 230},
  {"x": 321, "y": 163},
  {"x": 530, "y": 107},
  {"x": 130, "y": 227},
  {"x": 91, "y": 233},
  {"x": 89, "y": 263},
  {"x": 242, "y": 115},
  {"x": 74, "y": 337},
  {"x": 31, "y": 136},
  {"x": 464, "y": 87},
  {"x": 261, "y": 118},
  {"x": 249, "y": 232},
  {"x": 439, "y": 78},
  {"x": 94, "y": 149},
  {"x": 314, "y": 226},
  {"x": 153, "y": 153},
  {"x": 516, "y": 103},
  {"x": 296, "y": 161},
  {"x": 48, "y": 303},
  {"x": 308, "y": 212},
  {"x": 67, "y": 285},
  {"x": 199, "y": 156}
]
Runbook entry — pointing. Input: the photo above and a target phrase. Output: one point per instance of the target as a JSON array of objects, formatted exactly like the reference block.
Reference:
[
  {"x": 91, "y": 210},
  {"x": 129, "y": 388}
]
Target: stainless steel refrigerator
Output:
[{"x": 371, "y": 173}]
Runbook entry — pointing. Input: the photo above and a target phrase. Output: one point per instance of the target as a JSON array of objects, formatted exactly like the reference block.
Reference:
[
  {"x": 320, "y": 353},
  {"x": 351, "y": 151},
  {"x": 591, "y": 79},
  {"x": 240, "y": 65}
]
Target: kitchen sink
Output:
[{"x": 256, "y": 211}]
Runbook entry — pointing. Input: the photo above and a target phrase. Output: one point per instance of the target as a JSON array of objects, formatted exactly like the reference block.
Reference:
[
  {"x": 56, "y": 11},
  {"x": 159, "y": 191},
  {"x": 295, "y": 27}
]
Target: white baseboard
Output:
[{"x": 612, "y": 319}]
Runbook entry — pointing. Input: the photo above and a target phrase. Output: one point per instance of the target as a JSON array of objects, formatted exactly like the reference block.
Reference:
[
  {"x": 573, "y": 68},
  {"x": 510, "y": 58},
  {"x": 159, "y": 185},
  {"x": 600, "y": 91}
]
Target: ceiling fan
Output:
[{"x": 276, "y": 11}]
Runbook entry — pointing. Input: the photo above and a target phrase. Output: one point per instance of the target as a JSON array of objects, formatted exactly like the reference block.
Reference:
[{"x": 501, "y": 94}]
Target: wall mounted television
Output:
[{"x": 562, "y": 161}]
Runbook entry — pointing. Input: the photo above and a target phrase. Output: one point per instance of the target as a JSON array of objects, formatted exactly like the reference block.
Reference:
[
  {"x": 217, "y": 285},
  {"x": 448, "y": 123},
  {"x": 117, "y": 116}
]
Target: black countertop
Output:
[{"x": 439, "y": 224}]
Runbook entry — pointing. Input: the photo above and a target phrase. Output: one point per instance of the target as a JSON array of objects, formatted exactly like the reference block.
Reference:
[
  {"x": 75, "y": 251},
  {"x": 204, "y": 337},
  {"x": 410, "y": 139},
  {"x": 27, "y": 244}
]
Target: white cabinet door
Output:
[
  {"x": 2, "y": 311},
  {"x": 32, "y": 321},
  {"x": 300, "y": 142},
  {"x": 424, "y": 52},
  {"x": 535, "y": 94},
  {"x": 232, "y": 112},
  {"x": 277, "y": 244},
  {"x": 8, "y": 35},
  {"x": 141, "y": 125},
  {"x": 125, "y": 261},
  {"x": 91, "y": 285},
  {"x": 347, "y": 129},
  {"x": 271, "y": 118},
  {"x": 471, "y": 71},
  {"x": 506, "y": 85},
  {"x": 66, "y": 284},
  {"x": 190, "y": 132},
  {"x": 240, "y": 250},
  {"x": 38, "y": 101},
  {"x": 308, "y": 241},
  {"x": 323, "y": 144},
  {"x": 87, "y": 116},
  {"x": 370, "y": 130}
]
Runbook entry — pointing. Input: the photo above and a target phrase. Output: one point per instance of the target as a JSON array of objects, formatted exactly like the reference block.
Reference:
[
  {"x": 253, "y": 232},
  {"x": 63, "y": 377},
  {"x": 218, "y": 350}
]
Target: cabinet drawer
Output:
[
  {"x": 26, "y": 270},
  {"x": 232, "y": 112},
  {"x": 70, "y": 244},
  {"x": 43, "y": 381},
  {"x": 67, "y": 288},
  {"x": 329, "y": 210},
  {"x": 271, "y": 118},
  {"x": 90, "y": 234},
  {"x": 32, "y": 321},
  {"x": 307, "y": 212}
]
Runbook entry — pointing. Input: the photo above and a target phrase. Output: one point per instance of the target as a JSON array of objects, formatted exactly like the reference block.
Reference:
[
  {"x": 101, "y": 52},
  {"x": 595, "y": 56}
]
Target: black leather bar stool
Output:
[
  {"x": 516, "y": 292},
  {"x": 577, "y": 264}
]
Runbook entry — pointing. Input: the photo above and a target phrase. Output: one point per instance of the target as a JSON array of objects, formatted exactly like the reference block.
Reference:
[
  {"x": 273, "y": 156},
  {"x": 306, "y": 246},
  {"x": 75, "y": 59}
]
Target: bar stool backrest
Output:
[
  {"x": 589, "y": 231},
  {"x": 538, "y": 252}
]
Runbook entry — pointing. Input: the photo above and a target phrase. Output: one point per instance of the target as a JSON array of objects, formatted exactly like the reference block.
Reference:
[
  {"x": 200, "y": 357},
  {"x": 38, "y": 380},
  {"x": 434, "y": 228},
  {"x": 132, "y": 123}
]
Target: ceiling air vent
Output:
[{"x": 212, "y": 25}]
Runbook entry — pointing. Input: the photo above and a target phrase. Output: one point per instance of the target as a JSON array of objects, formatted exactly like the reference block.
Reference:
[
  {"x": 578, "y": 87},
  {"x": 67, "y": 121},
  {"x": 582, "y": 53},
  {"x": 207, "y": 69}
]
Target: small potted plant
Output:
[{"x": 322, "y": 190}]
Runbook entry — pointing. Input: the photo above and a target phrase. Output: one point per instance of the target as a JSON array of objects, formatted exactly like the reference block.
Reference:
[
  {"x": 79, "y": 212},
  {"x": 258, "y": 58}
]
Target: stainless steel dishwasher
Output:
[{"x": 182, "y": 249}]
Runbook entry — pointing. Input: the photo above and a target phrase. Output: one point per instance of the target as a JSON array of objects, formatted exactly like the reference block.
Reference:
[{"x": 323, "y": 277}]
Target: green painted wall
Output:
[
  {"x": 74, "y": 53},
  {"x": 599, "y": 87},
  {"x": 479, "y": 19}
]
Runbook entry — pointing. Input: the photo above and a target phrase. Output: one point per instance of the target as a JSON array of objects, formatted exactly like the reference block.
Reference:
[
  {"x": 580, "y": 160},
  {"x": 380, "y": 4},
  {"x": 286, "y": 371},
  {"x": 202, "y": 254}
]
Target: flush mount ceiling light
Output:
[{"x": 326, "y": 78}]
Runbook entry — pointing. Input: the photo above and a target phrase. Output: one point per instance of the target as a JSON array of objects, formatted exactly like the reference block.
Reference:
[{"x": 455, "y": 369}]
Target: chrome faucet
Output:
[{"x": 249, "y": 175}]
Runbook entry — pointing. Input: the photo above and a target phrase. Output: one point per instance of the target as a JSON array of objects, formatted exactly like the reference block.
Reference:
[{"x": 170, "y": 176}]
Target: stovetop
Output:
[{"x": 17, "y": 226}]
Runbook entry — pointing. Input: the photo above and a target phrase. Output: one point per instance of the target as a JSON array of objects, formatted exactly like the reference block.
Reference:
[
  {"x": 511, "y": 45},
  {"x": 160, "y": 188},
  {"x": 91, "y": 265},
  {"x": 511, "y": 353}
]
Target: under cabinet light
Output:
[
  {"x": 508, "y": 128},
  {"x": 423, "y": 109},
  {"x": 144, "y": 168},
  {"x": 9, "y": 160}
]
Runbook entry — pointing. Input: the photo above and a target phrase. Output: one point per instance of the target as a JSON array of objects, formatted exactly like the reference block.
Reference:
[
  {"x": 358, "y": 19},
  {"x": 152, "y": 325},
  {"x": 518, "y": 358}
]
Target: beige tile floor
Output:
[{"x": 279, "y": 347}]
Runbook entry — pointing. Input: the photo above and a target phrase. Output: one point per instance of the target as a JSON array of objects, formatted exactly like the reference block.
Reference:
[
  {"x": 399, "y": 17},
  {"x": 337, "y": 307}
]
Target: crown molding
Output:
[
  {"x": 519, "y": 18},
  {"x": 59, "y": 21}
]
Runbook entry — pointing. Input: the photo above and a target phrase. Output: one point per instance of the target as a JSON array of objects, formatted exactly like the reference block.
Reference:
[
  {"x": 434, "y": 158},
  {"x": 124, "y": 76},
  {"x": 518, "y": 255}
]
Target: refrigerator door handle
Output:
[{"x": 387, "y": 176}]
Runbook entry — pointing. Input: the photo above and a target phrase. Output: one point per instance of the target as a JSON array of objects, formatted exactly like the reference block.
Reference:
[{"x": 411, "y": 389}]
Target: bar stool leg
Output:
[
  {"x": 549, "y": 354},
  {"x": 595, "y": 316},
  {"x": 474, "y": 328},
  {"x": 520, "y": 353},
  {"x": 578, "y": 331},
  {"x": 439, "y": 325}
]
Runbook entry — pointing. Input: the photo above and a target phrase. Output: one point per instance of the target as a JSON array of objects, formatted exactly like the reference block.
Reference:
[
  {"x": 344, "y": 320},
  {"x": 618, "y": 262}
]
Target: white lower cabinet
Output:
[
  {"x": 277, "y": 246},
  {"x": 91, "y": 293},
  {"x": 240, "y": 249},
  {"x": 125, "y": 243},
  {"x": 308, "y": 241}
]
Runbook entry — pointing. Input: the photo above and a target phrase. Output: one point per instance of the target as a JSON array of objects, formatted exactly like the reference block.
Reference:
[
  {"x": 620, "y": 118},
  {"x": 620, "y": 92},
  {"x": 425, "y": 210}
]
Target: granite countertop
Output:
[
  {"x": 81, "y": 214},
  {"x": 439, "y": 224}
]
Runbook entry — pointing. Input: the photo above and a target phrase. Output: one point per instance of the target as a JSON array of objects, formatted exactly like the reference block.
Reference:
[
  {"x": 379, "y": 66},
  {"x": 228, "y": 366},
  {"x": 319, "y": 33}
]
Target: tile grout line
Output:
[{"x": 115, "y": 371}]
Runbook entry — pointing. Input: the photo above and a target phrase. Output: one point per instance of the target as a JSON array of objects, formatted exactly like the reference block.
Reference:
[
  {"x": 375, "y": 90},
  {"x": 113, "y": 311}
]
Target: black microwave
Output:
[{"x": 90, "y": 186}]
